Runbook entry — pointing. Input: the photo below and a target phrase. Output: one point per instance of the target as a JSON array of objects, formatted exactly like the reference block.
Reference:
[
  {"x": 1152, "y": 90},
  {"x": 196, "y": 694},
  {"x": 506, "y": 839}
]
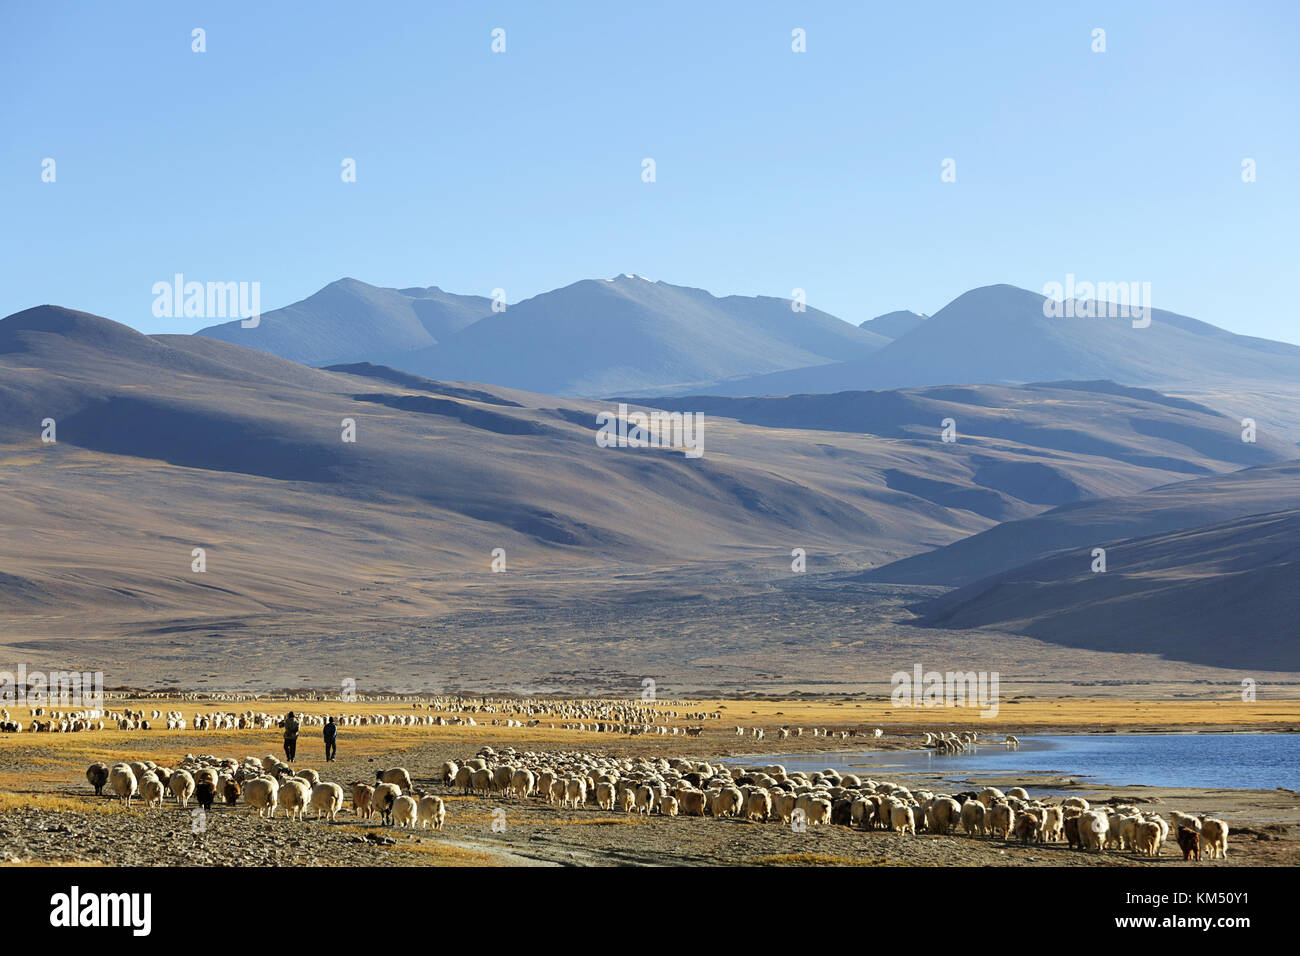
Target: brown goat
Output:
[
  {"x": 1190, "y": 842},
  {"x": 1072, "y": 831}
]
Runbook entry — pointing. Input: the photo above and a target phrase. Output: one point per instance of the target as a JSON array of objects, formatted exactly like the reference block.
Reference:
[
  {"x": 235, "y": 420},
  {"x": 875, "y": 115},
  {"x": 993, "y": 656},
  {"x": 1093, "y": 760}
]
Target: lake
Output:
[{"x": 1249, "y": 761}]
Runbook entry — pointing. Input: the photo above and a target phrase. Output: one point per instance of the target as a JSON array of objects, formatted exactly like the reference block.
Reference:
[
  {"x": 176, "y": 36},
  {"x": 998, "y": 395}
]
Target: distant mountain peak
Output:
[
  {"x": 71, "y": 325},
  {"x": 894, "y": 325}
]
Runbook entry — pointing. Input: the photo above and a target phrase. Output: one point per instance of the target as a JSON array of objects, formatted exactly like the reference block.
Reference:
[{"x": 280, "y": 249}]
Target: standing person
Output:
[
  {"x": 331, "y": 736},
  {"x": 290, "y": 725}
]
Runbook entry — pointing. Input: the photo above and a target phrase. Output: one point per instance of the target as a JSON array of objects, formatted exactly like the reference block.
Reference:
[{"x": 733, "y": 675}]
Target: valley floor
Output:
[{"x": 738, "y": 633}]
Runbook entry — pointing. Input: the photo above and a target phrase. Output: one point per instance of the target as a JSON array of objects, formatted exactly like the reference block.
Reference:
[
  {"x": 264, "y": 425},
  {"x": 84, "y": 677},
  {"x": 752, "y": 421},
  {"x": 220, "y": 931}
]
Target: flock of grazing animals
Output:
[
  {"x": 666, "y": 786},
  {"x": 631, "y": 718},
  {"x": 605, "y": 716},
  {"x": 699, "y": 788},
  {"x": 266, "y": 785}
]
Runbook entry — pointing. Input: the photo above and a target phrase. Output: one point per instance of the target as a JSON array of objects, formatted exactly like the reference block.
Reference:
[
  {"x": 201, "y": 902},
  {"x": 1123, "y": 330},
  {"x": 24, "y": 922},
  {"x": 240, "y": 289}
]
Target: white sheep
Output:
[
  {"x": 819, "y": 811},
  {"x": 1214, "y": 838},
  {"x": 262, "y": 794},
  {"x": 522, "y": 783},
  {"x": 784, "y": 804},
  {"x": 942, "y": 814},
  {"x": 605, "y": 795},
  {"x": 972, "y": 817},
  {"x": 431, "y": 811},
  {"x": 396, "y": 776},
  {"x": 645, "y": 799},
  {"x": 405, "y": 810},
  {"x": 1146, "y": 838},
  {"x": 901, "y": 819},
  {"x": 151, "y": 790},
  {"x": 181, "y": 785},
  {"x": 311, "y": 776},
  {"x": 575, "y": 792},
  {"x": 382, "y": 801},
  {"x": 626, "y": 799},
  {"x": 1094, "y": 827},
  {"x": 1053, "y": 824},
  {"x": 327, "y": 799},
  {"x": 1000, "y": 818},
  {"x": 123, "y": 782},
  {"x": 728, "y": 803},
  {"x": 293, "y": 796},
  {"x": 758, "y": 805}
]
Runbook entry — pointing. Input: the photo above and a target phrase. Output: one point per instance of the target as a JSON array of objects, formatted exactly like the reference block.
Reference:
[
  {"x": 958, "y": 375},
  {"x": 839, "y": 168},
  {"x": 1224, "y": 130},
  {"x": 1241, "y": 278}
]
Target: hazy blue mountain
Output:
[
  {"x": 590, "y": 338},
  {"x": 350, "y": 321},
  {"x": 893, "y": 325},
  {"x": 598, "y": 337},
  {"x": 999, "y": 334}
]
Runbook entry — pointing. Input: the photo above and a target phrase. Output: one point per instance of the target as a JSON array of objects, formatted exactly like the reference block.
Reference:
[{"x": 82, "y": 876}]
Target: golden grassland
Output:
[
  {"x": 49, "y": 758},
  {"x": 433, "y": 853},
  {"x": 10, "y": 801},
  {"x": 58, "y": 863},
  {"x": 816, "y": 859},
  {"x": 1025, "y": 711}
]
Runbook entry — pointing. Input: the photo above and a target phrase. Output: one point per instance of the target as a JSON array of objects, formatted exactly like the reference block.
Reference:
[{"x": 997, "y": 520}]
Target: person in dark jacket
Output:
[
  {"x": 331, "y": 736},
  {"x": 290, "y": 725}
]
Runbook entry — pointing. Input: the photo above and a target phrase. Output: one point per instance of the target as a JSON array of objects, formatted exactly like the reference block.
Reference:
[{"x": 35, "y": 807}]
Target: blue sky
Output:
[{"x": 775, "y": 170}]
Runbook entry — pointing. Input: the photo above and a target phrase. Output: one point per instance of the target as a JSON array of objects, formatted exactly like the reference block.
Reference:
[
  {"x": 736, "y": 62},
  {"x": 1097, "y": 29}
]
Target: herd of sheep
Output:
[
  {"x": 264, "y": 785},
  {"x": 760, "y": 794},
  {"x": 669, "y": 787},
  {"x": 608, "y": 716}
]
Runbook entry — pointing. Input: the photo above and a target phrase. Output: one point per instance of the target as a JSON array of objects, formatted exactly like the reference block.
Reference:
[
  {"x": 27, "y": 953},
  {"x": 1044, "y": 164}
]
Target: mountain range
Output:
[
  {"x": 1001, "y": 334},
  {"x": 979, "y": 502},
  {"x": 629, "y": 335},
  {"x": 591, "y": 338}
]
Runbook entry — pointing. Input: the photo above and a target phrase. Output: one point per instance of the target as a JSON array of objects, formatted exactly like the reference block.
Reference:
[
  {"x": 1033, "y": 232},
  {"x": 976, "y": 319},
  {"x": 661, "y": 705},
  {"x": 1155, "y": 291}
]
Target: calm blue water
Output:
[{"x": 1238, "y": 761}]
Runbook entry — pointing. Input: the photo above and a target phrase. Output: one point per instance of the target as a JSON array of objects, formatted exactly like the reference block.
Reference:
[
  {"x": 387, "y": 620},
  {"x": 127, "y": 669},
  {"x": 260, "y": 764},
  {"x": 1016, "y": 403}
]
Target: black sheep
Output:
[{"x": 204, "y": 794}]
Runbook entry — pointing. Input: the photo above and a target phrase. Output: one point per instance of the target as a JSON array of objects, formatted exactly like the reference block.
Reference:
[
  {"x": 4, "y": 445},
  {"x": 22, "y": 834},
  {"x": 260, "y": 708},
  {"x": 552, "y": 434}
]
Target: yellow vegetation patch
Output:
[
  {"x": 55, "y": 863},
  {"x": 10, "y": 801},
  {"x": 628, "y": 820},
  {"x": 815, "y": 859},
  {"x": 443, "y": 854},
  {"x": 1083, "y": 713},
  {"x": 432, "y": 853}
]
